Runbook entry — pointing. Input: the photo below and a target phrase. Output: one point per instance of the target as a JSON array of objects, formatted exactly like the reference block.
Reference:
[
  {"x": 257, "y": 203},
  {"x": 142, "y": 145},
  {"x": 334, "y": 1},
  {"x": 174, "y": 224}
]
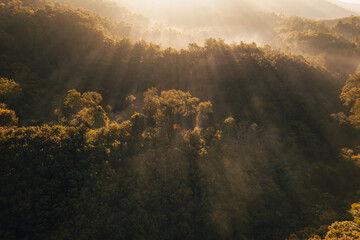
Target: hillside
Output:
[
  {"x": 334, "y": 41},
  {"x": 327, "y": 41},
  {"x": 104, "y": 137},
  {"x": 206, "y": 10},
  {"x": 109, "y": 9}
]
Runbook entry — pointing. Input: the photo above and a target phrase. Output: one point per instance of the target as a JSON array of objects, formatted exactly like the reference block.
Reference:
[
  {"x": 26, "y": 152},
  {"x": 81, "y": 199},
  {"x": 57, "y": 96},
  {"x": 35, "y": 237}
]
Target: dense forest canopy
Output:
[
  {"x": 265, "y": 22},
  {"x": 106, "y": 136}
]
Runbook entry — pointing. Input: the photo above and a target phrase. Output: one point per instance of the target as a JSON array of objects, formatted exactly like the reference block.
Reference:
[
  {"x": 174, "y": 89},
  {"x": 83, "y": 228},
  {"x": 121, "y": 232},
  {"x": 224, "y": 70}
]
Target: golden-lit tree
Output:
[
  {"x": 7, "y": 117},
  {"x": 83, "y": 110},
  {"x": 351, "y": 97}
]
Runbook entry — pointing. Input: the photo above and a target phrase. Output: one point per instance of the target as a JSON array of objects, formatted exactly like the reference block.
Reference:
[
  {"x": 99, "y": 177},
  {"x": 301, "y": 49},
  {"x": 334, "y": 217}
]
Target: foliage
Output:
[
  {"x": 83, "y": 110},
  {"x": 8, "y": 87},
  {"x": 333, "y": 40},
  {"x": 7, "y": 117},
  {"x": 345, "y": 229},
  {"x": 172, "y": 167}
]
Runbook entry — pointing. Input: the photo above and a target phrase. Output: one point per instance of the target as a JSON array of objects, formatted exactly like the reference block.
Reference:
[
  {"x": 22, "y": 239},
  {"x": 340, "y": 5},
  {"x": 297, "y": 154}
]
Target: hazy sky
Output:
[{"x": 350, "y": 1}]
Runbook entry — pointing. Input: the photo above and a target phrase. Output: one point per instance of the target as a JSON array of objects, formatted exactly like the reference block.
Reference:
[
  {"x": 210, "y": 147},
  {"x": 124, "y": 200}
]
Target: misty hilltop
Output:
[
  {"x": 210, "y": 11},
  {"x": 180, "y": 23},
  {"x": 351, "y": 5}
]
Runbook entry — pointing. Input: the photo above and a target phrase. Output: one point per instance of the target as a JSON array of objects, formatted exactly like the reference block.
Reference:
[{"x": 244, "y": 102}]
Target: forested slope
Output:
[
  {"x": 335, "y": 42},
  {"x": 235, "y": 142}
]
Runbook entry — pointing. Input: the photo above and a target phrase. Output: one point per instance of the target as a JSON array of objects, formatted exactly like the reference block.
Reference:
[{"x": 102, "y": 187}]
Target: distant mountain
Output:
[
  {"x": 195, "y": 21},
  {"x": 211, "y": 11},
  {"x": 318, "y": 9},
  {"x": 108, "y": 8},
  {"x": 354, "y": 7}
]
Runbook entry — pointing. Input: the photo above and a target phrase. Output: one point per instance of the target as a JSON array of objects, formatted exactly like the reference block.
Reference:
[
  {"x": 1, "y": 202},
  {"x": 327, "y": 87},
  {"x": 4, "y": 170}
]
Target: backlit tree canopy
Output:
[{"x": 106, "y": 137}]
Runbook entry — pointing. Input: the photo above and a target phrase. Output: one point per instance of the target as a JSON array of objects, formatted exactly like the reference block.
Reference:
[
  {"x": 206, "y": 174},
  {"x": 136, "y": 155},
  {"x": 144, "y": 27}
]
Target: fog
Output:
[
  {"x": 178, "y": 23},
  {"x": 352, "y": 5},
  {"x": 234, "y": 21},
  {"x": 192, "y": 13}
]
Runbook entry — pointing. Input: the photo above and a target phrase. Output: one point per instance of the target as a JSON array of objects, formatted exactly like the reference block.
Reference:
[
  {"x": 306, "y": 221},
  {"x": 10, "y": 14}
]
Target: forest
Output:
[{"x": 105, "y": 133}]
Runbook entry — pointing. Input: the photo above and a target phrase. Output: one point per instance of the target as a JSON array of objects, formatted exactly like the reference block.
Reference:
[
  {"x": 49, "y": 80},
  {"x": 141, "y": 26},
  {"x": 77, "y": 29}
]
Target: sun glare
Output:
[
  {"x": 161, "y": 6},
  {"x": 167, "y": 3}
]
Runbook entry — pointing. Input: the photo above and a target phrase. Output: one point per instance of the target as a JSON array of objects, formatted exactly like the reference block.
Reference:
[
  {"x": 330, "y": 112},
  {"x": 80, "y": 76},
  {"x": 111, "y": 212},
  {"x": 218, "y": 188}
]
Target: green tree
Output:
[
  {"x": 351, "y": 97},
  {"x": 9, "y": 90},
  {"x": 205, "y": 115},
  {"x": 7, "y": 117},
  {"x": 345, "y": 230},
  {"x": 83, "y": 110}
]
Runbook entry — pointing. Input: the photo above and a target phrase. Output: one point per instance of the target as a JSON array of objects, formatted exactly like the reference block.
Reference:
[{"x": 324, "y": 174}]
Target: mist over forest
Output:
[{"x": 165, "y": 120}]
